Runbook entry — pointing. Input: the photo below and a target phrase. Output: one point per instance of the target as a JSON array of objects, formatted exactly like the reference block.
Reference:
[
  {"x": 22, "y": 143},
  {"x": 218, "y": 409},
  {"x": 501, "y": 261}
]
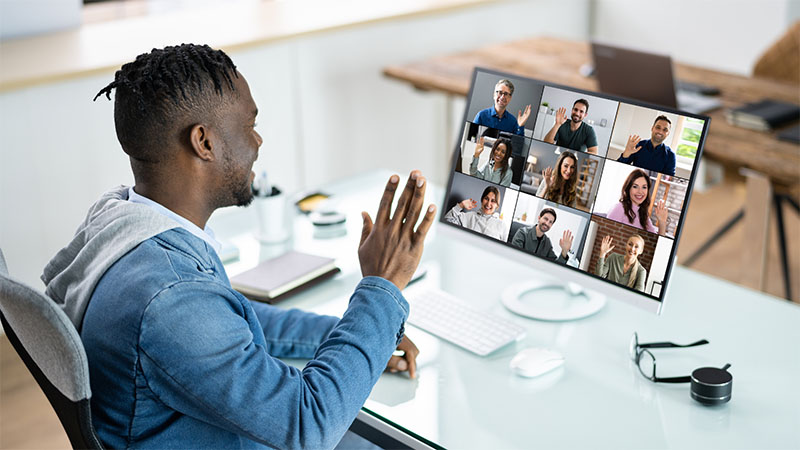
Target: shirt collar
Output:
[
  {"x": 655, "y": 147},
  {"x": 206, "y": 234},
  {"x": 533, "y": 229},
  {"x": 494, "y": 113}
]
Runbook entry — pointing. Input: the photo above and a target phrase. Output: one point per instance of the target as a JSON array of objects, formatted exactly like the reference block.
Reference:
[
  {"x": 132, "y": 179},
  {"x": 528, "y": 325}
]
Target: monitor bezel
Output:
[{"x": 552, "y": 268}]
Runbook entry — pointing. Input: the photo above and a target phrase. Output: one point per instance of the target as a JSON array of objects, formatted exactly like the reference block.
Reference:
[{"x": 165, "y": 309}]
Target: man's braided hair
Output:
[{"x": 162, "y": 92}]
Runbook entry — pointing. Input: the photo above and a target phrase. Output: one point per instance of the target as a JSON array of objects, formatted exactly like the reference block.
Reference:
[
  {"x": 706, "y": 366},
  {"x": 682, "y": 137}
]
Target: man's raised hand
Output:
[
  {"x": 630, "y": 146},
  {"x": 390, "y": 247}
]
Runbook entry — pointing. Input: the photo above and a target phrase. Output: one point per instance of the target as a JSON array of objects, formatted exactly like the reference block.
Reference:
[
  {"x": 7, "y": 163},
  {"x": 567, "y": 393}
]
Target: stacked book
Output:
[
  {"x": 277, "y": 278},
  {"x": 763, "y": 115}
]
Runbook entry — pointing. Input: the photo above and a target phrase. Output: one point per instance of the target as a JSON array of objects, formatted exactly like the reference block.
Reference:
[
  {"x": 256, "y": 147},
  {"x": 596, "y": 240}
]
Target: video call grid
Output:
[{"x": 591, "y": 214}]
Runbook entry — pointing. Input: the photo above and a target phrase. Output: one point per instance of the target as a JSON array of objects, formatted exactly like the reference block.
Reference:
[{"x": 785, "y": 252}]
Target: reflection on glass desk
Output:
[{"x": 598, "y": 399}]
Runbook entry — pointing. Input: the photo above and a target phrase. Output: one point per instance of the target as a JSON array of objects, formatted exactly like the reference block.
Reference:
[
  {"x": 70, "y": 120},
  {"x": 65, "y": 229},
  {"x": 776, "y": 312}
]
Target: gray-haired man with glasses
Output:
[{"x": 497, "y": 117}]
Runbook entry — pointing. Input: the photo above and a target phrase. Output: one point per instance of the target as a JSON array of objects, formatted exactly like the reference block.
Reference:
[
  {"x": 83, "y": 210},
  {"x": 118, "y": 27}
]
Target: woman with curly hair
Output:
[{"x": 497, "y": 170}]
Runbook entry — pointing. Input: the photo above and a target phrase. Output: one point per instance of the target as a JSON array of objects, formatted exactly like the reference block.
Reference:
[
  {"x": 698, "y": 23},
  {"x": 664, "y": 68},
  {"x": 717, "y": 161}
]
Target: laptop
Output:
[{"x": 648, "y": 77}]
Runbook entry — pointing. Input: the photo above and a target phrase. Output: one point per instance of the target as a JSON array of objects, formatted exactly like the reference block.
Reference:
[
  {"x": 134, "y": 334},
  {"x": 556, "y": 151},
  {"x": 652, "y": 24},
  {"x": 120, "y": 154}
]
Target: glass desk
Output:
[{"x": 598, "y": 399}]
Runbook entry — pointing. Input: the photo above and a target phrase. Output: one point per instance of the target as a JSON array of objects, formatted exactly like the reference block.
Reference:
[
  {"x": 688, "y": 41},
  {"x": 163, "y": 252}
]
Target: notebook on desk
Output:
[
  {"x": 277, "y": 278},
  {"x": 647, "y": 77}
]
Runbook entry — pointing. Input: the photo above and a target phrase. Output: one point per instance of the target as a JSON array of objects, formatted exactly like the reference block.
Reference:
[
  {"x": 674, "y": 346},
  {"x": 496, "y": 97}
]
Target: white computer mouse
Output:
[{"x": 533, "y": 362}]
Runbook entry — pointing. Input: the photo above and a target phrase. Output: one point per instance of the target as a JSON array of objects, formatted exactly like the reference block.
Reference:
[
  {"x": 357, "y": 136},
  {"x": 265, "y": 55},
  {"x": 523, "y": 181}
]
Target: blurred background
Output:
[{"x": 327, "y": 111}]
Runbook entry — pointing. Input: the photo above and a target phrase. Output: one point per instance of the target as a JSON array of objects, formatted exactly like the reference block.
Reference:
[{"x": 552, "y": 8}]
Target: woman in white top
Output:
[{"x": 484, "y": 220}]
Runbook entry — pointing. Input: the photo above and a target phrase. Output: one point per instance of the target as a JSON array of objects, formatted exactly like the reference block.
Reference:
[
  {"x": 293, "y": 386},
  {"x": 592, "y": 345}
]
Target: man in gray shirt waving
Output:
[
  {"x": 534, "y": 240},
  {"x": 573, "y": 133}
]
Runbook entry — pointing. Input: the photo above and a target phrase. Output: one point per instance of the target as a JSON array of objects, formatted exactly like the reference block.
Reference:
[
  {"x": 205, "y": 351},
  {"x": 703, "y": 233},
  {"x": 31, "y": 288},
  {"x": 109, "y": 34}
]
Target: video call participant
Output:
[
  {"x": 623, "y": 269},
  {"x": 534, "y": 239},
  {"x": 651, "y": 154},
  {"x": 484, "y": 220},
  {"x": 573, "y": 133},
  {"x": 497, "y": 170},
  {"x": 635, "y": 201},
  {"x": 560, "y": 185},
  {"x": 177, "y": 358},
  {"x": 497, "y": 117}
]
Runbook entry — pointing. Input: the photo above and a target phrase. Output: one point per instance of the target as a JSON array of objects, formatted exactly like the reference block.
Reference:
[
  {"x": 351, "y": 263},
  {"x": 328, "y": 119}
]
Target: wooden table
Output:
[{"x": 772, "y": 165}]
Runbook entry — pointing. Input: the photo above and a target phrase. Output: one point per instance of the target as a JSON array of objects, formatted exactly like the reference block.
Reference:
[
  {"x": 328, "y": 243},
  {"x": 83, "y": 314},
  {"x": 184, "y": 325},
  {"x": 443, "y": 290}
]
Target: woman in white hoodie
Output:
[{"x": 483, "y": 220}]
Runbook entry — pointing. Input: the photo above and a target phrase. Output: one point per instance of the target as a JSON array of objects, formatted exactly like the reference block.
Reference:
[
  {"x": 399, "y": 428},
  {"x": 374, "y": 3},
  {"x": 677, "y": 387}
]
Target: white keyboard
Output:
[{"x": 456, "y": 321}]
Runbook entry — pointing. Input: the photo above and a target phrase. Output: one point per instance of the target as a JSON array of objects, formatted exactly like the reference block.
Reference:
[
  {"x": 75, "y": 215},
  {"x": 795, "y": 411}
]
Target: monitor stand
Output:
[{"x": 552, "y": 301}]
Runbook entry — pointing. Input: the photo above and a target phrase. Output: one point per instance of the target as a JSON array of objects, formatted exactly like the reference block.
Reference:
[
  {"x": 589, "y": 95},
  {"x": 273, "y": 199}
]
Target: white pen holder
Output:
[{"x": 272, "y": 218}]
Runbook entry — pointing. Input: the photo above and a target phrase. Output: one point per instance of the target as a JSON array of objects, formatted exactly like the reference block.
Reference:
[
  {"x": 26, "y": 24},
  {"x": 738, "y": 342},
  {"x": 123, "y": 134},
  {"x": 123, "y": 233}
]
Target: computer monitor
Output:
[{"x": 586, "y": 187}]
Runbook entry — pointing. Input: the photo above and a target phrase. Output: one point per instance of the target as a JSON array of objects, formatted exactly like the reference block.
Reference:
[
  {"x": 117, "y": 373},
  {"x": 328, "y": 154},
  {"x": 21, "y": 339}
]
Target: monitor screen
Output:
[{"x": 581, "y": 184}]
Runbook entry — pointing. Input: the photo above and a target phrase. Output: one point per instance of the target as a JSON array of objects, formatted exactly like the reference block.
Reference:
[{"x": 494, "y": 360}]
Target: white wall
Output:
[
  {"x": 726, "y": 35},
  {"x": 326, "y": 112},
  {"x": 20, "y": 18}
]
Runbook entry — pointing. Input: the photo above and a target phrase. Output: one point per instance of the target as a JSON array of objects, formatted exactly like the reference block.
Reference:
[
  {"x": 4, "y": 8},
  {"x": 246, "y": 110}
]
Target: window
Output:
[{"x": 689, "y": 139}]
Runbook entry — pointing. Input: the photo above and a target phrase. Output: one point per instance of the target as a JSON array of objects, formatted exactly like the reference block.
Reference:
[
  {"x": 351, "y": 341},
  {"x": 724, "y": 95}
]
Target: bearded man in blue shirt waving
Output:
[
  {"x": 177, "y": 358},
  {"x": 653, "y": 153}
]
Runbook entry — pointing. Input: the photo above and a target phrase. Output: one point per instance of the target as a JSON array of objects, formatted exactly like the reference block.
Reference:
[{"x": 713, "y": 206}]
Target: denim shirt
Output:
[{"x": 177, "y": 358}]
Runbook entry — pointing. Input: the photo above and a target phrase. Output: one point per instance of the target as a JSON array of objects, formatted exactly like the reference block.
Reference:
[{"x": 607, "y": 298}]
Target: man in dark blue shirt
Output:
[
  {"x": 653, "y": 153},
  {"x": 497, "y": 117}
]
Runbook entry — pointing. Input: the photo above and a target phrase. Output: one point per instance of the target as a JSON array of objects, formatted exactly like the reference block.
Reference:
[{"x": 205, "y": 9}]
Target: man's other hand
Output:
[
  {"x": 407, "y": 361},
  {"x": 391, "y": 248}
]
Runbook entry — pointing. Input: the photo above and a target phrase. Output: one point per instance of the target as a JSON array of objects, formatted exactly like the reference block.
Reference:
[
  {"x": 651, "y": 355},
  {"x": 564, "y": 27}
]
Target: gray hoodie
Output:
[{"x": 113, "y": 227}]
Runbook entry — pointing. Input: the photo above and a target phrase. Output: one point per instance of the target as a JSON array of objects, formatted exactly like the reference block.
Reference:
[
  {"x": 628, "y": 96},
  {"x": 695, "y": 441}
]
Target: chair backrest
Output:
[
  {"x": 781, "y": 61},
  {"x": 52, "y": 351}
]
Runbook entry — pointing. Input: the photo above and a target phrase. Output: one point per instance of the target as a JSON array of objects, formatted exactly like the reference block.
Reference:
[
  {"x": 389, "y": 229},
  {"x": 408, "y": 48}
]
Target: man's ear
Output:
[{"x": 202, "y": 141}]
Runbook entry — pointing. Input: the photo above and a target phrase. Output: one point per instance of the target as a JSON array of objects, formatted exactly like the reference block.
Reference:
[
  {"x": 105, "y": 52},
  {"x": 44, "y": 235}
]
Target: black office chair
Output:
[{"x": 52, "y": 351}]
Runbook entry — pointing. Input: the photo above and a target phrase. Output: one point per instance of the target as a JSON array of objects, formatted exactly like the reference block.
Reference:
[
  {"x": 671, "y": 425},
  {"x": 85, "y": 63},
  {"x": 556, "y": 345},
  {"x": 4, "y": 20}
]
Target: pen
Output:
[{"x": 262, "y": 187}]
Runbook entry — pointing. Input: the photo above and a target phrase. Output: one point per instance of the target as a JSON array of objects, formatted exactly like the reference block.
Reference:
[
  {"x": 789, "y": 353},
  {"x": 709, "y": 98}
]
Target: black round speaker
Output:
[{"x": 711, "y": 385}]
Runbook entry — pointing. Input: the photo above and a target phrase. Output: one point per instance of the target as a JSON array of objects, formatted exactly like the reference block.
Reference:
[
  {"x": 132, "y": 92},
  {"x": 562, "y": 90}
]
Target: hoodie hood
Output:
[{"x": 113, "y": 227}]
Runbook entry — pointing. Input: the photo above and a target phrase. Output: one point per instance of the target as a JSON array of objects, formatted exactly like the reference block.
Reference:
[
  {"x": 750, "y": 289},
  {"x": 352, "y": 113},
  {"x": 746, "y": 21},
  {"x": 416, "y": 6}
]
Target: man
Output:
[
  {"x": 484, "y": 220},
  {"x": 535, "y": 241},
  {"x": 497, "y": 117},
  {"x": 177, "y": 358},
  {"x": 653, "y": 153},
  {"x": 573, "y": 133}
]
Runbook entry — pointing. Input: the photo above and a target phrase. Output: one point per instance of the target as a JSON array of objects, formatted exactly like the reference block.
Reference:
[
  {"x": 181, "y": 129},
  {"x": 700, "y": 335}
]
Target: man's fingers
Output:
[
  {"x": 386, "y": 201},
  {"x": 411, "y": 361},
  {"x": 366, "y": 229},
  {"x": 397, "y": 364},
  {"x": 415, "y": 205},
  {"x": 426, "y": 223},
  {"x": 405, "y": 199}
]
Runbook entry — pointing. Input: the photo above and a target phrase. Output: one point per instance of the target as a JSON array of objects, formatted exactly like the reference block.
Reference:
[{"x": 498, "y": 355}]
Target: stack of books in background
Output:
[{"x": 767, "y": 115}]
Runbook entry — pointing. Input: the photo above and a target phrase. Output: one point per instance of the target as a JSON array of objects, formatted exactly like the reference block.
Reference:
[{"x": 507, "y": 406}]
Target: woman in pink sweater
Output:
[{"x": 634, "y": 203}]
